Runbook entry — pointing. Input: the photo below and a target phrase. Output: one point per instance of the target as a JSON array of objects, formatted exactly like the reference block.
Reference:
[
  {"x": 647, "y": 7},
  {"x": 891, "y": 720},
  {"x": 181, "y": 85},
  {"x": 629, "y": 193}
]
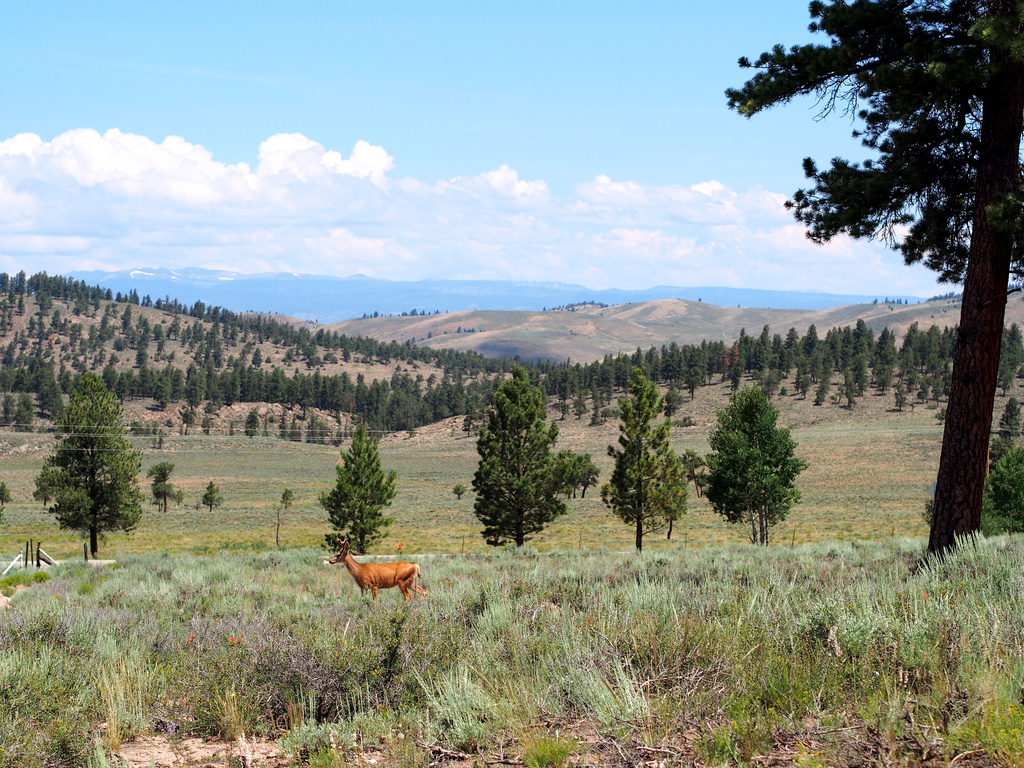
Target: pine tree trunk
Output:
[
  {"x": 94, "y": 541},
  {"x": 962, "y": 466}
]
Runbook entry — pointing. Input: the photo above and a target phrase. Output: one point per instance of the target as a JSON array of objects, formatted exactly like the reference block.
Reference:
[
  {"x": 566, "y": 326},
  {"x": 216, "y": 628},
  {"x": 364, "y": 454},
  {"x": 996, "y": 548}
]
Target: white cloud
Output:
[{"x": 87, "y": 200}]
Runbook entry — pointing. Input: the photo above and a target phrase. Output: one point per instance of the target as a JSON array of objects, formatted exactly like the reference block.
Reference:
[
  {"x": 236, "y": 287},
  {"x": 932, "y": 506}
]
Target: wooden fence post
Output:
[{"x": 85, "y": 552}]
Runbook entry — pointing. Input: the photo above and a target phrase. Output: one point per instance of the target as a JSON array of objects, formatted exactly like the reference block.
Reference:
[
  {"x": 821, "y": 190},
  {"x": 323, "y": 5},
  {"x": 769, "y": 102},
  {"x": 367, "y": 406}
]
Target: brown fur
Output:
[{"x": 377, "y": 576}]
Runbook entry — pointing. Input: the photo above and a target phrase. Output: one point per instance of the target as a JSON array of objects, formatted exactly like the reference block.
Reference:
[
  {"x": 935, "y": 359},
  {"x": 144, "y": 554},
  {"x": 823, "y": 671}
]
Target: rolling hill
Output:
[{"x": 589, "y": 333}]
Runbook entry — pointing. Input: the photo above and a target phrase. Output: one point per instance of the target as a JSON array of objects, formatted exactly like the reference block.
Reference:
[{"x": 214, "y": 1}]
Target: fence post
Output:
[
  {"x": 39, "y": 546},
  {"x": 85, "y": 552}
]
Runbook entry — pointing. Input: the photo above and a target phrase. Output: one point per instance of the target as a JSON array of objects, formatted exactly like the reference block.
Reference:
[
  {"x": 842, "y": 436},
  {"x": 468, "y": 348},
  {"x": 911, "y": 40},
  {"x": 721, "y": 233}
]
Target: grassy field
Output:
[
  {"x": 839, "y": 645},
  {"x": 868, "y": 478},
  {"x": 828, "y": 654}
]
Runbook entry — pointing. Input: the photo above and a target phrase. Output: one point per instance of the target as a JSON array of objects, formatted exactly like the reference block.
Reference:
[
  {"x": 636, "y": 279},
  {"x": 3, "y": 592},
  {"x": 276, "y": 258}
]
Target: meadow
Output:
[
  {"x": 838, "y": 645},
  {"x": 823, "y": 654},
  {"x": 868, "y": 478}
]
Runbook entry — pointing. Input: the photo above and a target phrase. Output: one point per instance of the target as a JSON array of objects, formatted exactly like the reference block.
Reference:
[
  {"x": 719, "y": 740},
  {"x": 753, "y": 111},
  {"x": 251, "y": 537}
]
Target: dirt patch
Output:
[
  {"x": 5, "y": 602},
  {"x": 161, "y": 752}
]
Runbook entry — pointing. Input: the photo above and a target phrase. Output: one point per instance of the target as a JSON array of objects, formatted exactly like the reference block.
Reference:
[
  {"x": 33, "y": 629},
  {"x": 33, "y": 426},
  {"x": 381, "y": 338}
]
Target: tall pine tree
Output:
[
  {"x": 938, "y": 87},
  {"x": 518, "y": 479},
  {"x": 647, "y": 489},
  {"x": 362, "y": 490}
]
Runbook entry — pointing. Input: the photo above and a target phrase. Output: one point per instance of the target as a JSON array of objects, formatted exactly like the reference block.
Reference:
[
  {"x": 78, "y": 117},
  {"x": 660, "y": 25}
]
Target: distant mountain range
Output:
[{"x": 326, "y": 299}]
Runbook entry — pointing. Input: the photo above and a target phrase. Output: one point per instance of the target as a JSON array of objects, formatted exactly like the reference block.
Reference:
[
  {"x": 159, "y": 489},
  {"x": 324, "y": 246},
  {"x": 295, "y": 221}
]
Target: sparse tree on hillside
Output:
[
  {"x": 900, "y": 395},
  {"x": 579, "y": 406},
  {"x": 24, "y": 413},
  {"x": 459, "y": 490}
]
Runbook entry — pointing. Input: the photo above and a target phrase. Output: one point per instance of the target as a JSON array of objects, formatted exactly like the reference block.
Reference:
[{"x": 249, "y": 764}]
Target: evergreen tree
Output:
[
  {"x": 161, "y": 487},
  {"x": 90, "y": 482},
  {"x": 579, "y": 405},
  {"x": 673, "y": 399},
  {"x": 1009, "y": 424},
  {"x": 579, "y": 472},
  {"x": 940, "y": 87},
  {"x": 752, "y": 467},
  {"x": 361, "y": 491},
  {"x": 900, "y": 395},
  {"x": 648, "y": 487},
  {"x": 824, "y": 387},
  {"x": 212, "y": 497},
  {"x": 518, "y": 479},
  {"x": 252, "y": 423},
  {"x": 24, "y": 413}
]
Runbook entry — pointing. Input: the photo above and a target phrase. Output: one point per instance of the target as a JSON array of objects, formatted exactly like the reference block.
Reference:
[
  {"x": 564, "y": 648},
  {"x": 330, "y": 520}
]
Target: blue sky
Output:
[{"x": 573, "y": 142}]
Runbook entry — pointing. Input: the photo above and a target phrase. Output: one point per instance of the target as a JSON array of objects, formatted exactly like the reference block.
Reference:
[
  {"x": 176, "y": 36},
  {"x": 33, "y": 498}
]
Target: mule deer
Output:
[{"x": 377, "y": 576}]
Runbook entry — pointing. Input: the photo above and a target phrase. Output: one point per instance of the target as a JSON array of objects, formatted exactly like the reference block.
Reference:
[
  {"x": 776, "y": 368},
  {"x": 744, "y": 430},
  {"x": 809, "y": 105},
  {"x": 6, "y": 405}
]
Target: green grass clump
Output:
[{"x": 541, "y": 750}]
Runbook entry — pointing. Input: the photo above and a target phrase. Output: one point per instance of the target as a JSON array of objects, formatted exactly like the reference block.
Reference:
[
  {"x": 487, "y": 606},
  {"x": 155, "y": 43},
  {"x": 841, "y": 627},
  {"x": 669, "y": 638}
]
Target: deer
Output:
[{"x": 377, "y": 576}]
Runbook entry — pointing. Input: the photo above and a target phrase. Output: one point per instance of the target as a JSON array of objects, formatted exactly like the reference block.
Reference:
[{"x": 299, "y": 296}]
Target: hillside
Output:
[
  {"x": 181, "y": 369},
  {"x": 589, "y": 333},
  {"x": 328, "y": 299}
]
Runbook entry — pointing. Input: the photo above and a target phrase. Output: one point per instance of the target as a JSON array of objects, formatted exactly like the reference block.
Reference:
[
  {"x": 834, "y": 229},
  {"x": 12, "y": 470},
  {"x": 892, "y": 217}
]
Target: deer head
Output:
[{"x": 342, "y": 554}]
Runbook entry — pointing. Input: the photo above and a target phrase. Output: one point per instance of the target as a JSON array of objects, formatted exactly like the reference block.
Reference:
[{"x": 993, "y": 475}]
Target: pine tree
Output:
[
  {"x": 939, "y": 88},
  {"x": 361, "y": 491},
  {"x": 1009, "y": 424},
  {"x": 252, "y": 423},
  {"x": 161, "y": 487},
  {"x": 648, "y": 484},
  {"x": 212, "y": 497},
  {"x": 90, "y": 482},
  {"x": 518, "y": 479}
]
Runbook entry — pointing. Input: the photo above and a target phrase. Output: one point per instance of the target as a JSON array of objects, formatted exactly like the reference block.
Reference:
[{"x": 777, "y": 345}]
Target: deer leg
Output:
[
  {"x": 374, "y": 594},
  {"x": 414, "y": 585},
  {"x": 404, "y": 586}
]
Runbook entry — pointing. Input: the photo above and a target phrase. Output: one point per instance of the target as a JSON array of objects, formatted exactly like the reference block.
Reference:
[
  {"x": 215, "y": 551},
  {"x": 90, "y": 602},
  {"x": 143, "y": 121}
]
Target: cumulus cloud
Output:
[{"x": 114, "y": 200}]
